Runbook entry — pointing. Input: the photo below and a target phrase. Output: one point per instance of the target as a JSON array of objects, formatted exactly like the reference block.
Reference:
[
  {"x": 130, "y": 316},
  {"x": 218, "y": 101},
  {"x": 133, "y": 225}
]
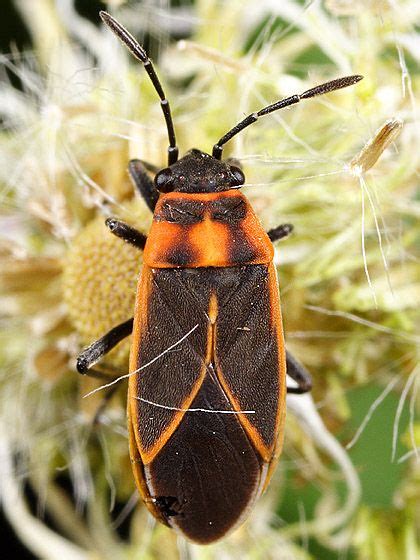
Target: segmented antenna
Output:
[
  {"x": 250, "y": 119},
  {"x": 138, "y": 51}
]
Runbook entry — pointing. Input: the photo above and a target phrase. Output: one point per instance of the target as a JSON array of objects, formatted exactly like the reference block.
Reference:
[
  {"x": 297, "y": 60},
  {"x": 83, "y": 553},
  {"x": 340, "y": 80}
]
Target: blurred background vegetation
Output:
[{"x": 74, "y": 110}]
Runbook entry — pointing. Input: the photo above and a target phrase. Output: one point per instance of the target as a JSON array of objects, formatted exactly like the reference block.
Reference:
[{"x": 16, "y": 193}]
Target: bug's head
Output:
[{"x": 198, "y": 172}]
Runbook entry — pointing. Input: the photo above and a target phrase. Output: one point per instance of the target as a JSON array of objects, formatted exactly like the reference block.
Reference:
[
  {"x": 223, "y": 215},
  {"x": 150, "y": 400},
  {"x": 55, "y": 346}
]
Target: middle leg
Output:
[
  {"x": 279, "y": 232},
  {"x": 126, "y": 232}
]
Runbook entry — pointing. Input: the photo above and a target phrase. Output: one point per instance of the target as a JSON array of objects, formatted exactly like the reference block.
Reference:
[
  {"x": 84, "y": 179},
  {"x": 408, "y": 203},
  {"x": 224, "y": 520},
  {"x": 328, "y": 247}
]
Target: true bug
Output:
[{"x": 206, "y": 396}]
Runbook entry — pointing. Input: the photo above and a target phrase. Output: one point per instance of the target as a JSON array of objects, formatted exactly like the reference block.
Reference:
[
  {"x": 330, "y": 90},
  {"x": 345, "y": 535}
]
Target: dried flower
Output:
[{"x": 350, "y": 307}]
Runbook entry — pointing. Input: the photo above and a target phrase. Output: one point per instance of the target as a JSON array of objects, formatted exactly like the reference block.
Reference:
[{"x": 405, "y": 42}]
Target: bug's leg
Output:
[
  {"x": 279, "y": 232},
  {"x": 142, "y": 181},
  {"x": 93, "y": 353},
  {"x": 299, "y": 374},
  {"x": 126, "y": 232}
]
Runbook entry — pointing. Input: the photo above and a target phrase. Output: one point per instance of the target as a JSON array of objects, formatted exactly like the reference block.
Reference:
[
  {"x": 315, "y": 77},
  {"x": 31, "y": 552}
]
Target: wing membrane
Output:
[
  {"x": 249, "y": 354},
  {"x": 165, "y": 386}
]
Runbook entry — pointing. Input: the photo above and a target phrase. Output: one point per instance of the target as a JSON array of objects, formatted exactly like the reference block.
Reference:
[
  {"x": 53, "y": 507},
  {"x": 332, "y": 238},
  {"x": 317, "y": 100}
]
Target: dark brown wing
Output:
[
  {"x": 197, "y": 470},
  {"x": 250, "y": 356},
  {"x": 169, "y": 348}
]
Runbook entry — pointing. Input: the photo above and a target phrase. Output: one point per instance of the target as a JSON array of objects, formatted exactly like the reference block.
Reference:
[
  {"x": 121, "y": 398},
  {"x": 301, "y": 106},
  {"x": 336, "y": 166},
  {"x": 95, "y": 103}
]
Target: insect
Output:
[{"x": 207, "y": 384}]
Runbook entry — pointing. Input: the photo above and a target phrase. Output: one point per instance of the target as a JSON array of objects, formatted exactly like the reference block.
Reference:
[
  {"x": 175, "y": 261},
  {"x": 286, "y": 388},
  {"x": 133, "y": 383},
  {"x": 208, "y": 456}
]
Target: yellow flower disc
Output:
[{"x": 99, "y": 284}]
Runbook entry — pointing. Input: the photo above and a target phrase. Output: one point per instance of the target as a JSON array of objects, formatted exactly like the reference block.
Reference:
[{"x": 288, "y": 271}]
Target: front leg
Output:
[{"x": 143, "y": 183}]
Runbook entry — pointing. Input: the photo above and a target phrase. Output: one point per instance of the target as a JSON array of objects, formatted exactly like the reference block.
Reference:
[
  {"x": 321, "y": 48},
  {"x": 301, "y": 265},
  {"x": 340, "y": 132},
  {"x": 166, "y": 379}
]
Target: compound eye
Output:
[
  {"x": 164, "y": 180},
  {"x": 238, "y": 178}
]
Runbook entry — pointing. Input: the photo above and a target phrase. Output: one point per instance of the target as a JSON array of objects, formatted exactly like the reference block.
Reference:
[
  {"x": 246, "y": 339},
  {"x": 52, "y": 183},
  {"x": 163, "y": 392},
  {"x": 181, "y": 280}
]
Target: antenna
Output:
[
  {"x": 138, "y": 51},
  {"x": 317, "y": 90}
]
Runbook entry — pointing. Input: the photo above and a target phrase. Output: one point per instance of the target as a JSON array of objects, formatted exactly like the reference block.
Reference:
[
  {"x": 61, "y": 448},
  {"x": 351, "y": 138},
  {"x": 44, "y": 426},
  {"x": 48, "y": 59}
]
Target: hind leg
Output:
[{"x": 299, "y": 374}]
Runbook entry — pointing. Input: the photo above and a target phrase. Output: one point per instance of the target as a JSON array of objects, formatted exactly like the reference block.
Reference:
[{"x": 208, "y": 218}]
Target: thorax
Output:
[{"x": 206, "y": 229}]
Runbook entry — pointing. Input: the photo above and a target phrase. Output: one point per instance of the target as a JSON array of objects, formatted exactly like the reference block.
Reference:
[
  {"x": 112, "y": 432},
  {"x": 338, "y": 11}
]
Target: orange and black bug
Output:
[{"x": 206, "y": 396}]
